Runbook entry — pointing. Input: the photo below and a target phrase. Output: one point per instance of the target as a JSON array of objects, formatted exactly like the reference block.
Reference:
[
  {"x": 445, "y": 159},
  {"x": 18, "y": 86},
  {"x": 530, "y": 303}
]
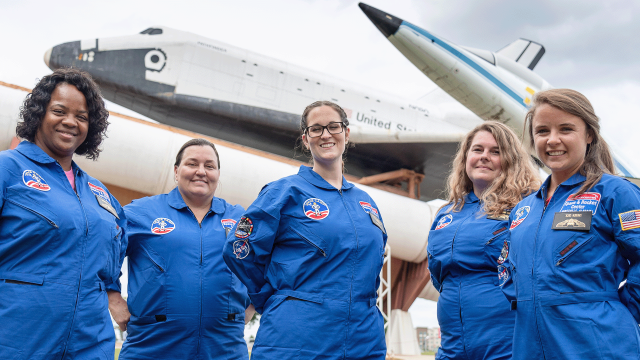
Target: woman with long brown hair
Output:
[
  {"x": 574, "y": 242},
  {"x": 491, "y": 174}
]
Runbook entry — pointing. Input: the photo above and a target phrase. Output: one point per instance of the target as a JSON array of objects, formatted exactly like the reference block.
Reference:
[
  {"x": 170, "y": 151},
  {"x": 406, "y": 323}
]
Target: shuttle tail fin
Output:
[{"x": 524, "y": 52}]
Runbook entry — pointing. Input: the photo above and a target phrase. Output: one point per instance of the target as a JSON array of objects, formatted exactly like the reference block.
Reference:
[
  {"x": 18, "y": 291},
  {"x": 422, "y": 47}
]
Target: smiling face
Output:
[
  {"x": 560, "y": 140},
  {"x": 198, "y": 172},
  {"x": 327, "y": 148},
  {"x": 65, "y": 124},
  {"x": 483, "y": 163}
]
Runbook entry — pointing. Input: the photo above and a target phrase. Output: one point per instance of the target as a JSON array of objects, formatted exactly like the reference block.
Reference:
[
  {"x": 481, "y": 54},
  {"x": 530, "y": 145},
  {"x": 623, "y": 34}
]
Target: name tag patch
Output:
[
  {"x": 503, "y": 216},
  {"x": 107, "y": 206},
  {"x": 572, "y": 220},
  {"x": 582, "y": 202},
  {"x": 377, "y": 222}
]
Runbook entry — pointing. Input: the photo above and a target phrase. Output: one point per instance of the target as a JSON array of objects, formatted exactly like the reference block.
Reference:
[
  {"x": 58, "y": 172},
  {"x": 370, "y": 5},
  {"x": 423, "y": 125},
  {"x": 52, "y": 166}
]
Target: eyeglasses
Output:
[{"x": 317, "y": 130}]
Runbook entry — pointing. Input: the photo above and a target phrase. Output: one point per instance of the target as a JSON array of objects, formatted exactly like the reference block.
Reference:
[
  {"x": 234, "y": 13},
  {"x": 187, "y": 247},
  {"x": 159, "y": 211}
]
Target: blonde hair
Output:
[
  {"x": 597, "y": 159},
  {"x": 517, "y": 179}
]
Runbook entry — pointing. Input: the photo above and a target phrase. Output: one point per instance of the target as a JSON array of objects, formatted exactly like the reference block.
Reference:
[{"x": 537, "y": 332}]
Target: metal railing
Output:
[{"x": 385, "y": 289}]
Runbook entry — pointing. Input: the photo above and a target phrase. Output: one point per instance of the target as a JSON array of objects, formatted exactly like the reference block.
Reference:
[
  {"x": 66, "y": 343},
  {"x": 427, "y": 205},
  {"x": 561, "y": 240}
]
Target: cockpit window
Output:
[{"x": 152, "y": 31}]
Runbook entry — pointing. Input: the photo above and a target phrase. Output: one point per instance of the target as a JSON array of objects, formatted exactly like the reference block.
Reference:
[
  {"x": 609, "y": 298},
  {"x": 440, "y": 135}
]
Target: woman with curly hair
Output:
[
  {"x": 491, "y": 174},
  {"x": 61, "y": 232}
]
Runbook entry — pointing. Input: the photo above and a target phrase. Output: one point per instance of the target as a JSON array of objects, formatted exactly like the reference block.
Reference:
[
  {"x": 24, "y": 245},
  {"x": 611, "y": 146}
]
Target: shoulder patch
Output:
[
  {"x": 444, "y": 221},
  {"x": 521, "y": 214},
  {"x": 503, "y": 274},
  {"x": 245, "y": 228},
  {"x": 630, "y": 220},
  {"x": 583, "y": 202},
  {"x": 315, "y": 209},
  {"x": 162, "y": 226},
  {"x": 98, "y": 191},
  {"x": 504, "y": 254},
  {"x": 241, "y": 248},
  {"x": 369, "y": 209},
  {"x": 34, "y": 181}
]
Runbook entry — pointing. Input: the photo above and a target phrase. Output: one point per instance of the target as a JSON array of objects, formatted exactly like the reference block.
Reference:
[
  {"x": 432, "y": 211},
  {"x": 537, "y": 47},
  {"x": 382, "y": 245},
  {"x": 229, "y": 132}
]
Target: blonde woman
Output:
[
  {"x": 491, "y": 174},
  {"x": 574, "y": 242}
]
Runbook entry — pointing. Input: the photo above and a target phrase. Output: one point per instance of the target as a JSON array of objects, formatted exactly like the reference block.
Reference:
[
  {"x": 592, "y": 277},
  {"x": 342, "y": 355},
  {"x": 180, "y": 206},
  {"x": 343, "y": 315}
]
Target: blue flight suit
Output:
[
  {"x": 60, "y": 251},
  {"x": 464, "y": 250},
  {"x": 564, "y": 283},
  {"x": 184, "y": 301},
  {"x": 310, "y": 256}
]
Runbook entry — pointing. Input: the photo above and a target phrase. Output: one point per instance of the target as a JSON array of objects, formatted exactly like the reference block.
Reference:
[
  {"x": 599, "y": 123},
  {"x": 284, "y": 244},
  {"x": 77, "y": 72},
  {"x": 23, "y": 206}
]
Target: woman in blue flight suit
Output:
[
  {"x": 184, "y": 301},
  {"x": 491, "y": 172},
  {"x": 574, "y": 242},
  {"x": 310, "y": 249},
  {"x": 61, "y": 232}
]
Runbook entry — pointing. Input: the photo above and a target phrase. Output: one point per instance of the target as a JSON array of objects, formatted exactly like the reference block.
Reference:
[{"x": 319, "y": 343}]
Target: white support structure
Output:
[{"x": 385, "y": 289}]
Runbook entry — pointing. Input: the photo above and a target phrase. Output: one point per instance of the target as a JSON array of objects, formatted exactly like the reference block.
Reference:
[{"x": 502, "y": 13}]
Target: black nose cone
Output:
[{"x": 387, "y": 24}]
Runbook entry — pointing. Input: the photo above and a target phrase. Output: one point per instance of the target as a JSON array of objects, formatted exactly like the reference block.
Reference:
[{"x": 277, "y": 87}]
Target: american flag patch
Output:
[{"x": 630, "y": 220}]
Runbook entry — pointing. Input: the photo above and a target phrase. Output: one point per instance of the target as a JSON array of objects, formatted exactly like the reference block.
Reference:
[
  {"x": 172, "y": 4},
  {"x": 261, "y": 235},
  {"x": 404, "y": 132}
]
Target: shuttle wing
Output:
[{"x": 524, "y": 52}]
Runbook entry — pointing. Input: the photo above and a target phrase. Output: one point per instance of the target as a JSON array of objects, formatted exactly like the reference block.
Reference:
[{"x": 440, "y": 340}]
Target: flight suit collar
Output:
[
  {"x": 311, "y": 176},
  {"x": 575, "y": 179},
  {"x": 176, "y": 201},
  {"x": 471, "y": 198},
  {"x": 36, "y": 154}
]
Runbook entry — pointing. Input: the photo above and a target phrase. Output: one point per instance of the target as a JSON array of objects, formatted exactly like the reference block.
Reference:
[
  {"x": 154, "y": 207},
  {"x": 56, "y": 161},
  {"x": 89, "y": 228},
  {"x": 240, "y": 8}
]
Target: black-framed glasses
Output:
[{"x": 333, "y": 128}]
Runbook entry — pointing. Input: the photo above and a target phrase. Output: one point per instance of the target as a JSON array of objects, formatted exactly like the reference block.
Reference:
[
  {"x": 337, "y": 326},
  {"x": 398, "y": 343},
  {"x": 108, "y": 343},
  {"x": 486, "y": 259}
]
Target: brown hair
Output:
[
  {"x": 303, "y": 126},
  {"x": 517, "y": 179},
  {"x": 597, "y": 159},
  {"x": 196, "y": 142}
]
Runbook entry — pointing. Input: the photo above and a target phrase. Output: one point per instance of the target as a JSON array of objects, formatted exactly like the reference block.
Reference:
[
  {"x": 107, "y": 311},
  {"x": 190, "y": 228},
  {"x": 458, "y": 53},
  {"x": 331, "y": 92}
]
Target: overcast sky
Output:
[{"x": 592, "y": 45}]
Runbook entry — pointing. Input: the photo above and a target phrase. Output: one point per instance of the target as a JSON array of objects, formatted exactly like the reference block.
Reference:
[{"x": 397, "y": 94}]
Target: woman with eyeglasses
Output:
[{"x": 309, "y": 250}]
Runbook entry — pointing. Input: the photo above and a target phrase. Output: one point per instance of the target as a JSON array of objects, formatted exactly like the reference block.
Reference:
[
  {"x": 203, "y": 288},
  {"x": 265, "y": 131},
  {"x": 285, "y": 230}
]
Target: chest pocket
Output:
[
  {"x": 31, "y": 232},
  {"x": 32, "y": 210},
  {"x": 575, "y": 263},
  {"x": 494, "y": 248}
]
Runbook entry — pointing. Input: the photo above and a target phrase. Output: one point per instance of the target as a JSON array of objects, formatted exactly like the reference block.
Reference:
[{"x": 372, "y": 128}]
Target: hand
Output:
[
  {"x": 119, "y": 310},
  {"x": 248, "y": 314}
]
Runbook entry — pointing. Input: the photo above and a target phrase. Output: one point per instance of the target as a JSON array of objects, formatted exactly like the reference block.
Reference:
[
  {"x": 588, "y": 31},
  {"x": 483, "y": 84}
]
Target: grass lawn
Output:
[{"x": 117, "y": 354}]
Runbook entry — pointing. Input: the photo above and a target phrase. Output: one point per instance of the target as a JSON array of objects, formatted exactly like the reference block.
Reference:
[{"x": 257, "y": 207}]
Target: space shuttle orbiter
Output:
[{"x": 493, "y": 85}]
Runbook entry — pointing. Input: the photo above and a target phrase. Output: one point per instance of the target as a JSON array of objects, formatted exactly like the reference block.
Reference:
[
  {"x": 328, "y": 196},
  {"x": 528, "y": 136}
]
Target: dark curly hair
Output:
[{"x": 35, "y": 106}]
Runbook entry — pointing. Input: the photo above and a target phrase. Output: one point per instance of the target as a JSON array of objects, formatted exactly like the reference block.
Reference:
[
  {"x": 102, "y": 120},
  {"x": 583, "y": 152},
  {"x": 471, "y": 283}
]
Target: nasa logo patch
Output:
[
  {"x": 583, "y": 202},
  {"x": 369, "y": 209},
  {"x": 521, "y": 214},
  {"x": 315, "y": 209},
  {"x": 35, "y": 181},
  {"x": 241, "y": 249},
  {"x": 227, "y": 224},
  {"x": 504, "y": 253},
  {"x": 444, "y": 221},
  {"x": 244, "y": 229},
  {"x": 162, "y": 226},
  {"x": 98, "y": 191},
  {"x": 503, "y": 274}
]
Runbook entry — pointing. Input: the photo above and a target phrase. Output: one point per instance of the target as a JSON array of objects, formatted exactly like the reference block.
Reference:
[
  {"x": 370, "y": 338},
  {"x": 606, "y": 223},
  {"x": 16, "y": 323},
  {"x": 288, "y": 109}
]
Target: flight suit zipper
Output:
[
  {"x": 533, "y": 262},
  {"x": 201, "y": 280},
  {"x": 86, "y": 233},
  {"x": 355, "y": 230}
]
